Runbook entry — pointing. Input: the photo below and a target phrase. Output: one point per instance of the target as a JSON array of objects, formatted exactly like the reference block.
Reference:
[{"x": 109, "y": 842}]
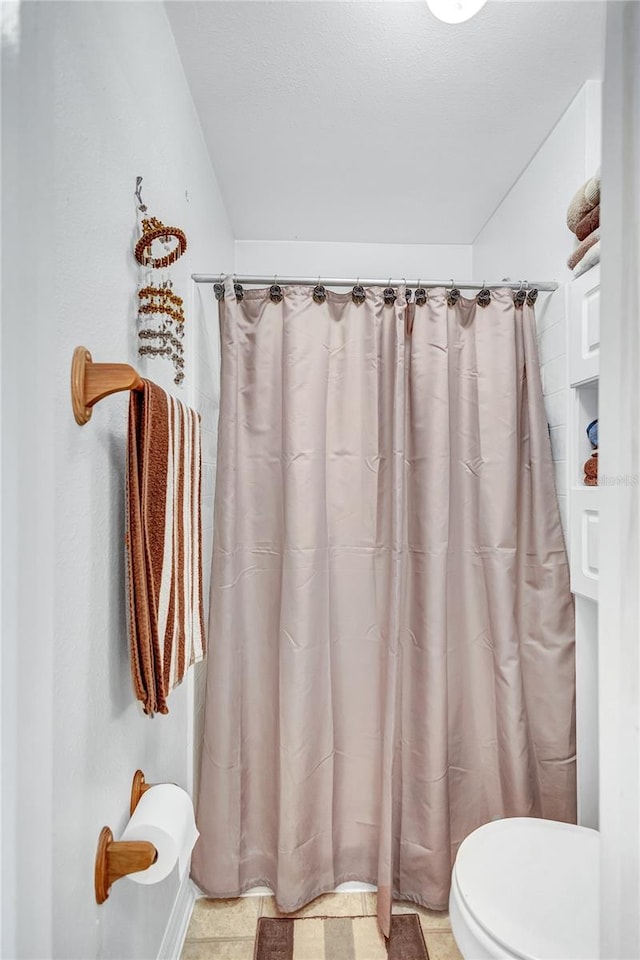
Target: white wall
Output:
[
  {"x": 85, "y": 113},
  {"x": 527, "y": 238},
  {"x": 206, "y": 380},
  {"x": 372, "y": 260},
  {"x": 619, "y": 607}
]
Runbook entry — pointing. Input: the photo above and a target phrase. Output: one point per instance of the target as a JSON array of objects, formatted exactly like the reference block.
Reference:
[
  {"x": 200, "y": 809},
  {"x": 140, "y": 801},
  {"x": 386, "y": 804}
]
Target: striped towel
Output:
[{"x": 164, "y": 544}]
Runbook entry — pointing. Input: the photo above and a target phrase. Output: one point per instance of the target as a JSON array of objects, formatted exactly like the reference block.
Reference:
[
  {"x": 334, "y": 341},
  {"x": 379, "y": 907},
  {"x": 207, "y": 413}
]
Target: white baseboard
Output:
[{"x": 176, "y": 931}]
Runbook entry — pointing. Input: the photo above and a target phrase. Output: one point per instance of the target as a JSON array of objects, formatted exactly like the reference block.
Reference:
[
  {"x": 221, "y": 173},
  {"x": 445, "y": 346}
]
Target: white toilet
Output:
[{"x": 527, "y": 889}]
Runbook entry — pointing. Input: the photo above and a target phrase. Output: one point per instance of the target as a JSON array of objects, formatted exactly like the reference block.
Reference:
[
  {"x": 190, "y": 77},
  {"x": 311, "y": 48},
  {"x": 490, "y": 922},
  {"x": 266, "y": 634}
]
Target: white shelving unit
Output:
[{"x": 584, "y": 360}]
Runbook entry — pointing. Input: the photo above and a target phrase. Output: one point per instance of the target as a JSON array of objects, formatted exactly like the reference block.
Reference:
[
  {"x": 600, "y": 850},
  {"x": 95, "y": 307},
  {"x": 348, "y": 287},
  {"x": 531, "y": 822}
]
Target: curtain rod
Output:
[{"x": 543, "y": 287}]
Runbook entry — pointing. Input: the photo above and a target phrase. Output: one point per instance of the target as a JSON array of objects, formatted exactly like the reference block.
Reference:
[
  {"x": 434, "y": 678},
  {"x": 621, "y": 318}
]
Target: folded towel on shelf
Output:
[
  {"x": 580, "y": 251},
  {"x": 164, "y": 544},
  {"x": 589, "y": 223},
  {"x": 584, "y": 200},
  {"x": 591, "y": 257}
]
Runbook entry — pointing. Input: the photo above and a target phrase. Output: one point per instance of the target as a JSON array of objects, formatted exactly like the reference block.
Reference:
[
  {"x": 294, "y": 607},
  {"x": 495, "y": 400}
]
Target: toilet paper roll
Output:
[{"x": 164, "y": 816}]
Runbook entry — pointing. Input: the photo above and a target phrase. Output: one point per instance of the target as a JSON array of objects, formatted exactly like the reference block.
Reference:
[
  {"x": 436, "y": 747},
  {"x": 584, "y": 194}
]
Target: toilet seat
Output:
[{"x": 528, "y": 889}]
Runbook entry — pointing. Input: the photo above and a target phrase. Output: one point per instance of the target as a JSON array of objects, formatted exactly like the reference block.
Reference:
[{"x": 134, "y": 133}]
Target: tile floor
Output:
[{"x": 226, "y": 929}]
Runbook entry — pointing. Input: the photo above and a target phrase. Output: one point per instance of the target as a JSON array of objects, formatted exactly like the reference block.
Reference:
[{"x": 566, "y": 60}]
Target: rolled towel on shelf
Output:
[
  {"x": 588, "y": 224},
  {"x": 584, "y": 200},
  {"x": 164, "y": 544},
  {"x": 591, "y": 470},
  {"x": 591, "y": 257},
  {"x": 584, "y": 247}
]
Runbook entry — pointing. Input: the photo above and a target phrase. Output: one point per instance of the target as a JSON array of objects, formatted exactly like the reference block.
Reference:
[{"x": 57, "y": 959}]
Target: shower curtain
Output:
[{"x": 391, "y": 658}]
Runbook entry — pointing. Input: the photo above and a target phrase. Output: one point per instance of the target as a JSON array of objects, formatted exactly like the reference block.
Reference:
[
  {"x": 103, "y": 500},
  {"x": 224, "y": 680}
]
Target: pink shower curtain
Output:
[{"x": 391, "y": 657}]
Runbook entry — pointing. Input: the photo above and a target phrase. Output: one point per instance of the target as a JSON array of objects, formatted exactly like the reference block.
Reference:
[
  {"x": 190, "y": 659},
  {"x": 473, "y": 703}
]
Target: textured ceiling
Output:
[{"x": 373, "y": 121}]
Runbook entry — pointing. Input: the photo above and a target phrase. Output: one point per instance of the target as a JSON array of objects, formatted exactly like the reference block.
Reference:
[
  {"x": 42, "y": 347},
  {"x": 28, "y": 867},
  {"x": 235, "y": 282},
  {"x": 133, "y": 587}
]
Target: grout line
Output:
[{"x": 220, "y": 939}]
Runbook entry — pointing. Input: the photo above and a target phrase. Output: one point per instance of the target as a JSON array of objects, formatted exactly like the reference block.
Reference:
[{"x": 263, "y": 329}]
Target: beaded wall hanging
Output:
[{"x": 160, "y": 310}]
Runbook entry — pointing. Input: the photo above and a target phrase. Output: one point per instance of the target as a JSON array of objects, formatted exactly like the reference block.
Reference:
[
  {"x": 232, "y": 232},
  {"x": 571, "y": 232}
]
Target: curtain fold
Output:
[{"x": 391, "y": 658}]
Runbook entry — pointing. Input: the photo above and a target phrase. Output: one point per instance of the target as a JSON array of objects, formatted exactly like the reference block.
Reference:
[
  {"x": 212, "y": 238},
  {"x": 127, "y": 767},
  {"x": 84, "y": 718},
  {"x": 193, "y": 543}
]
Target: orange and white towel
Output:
[{"x": 164, "y": 544}]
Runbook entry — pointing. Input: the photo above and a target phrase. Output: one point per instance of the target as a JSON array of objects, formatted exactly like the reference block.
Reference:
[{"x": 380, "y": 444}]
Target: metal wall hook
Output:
[{"x": 138, "y": 194}]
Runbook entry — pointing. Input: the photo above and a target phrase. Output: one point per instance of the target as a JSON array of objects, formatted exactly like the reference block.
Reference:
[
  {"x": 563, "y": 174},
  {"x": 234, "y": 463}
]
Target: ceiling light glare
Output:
[{"x": 455, "y": 11}]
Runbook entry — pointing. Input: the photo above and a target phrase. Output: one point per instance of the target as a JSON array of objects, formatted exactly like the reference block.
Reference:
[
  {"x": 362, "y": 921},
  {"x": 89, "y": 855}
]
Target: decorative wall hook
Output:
[
  {"x": 91, "y": 382},
  {"x": 153, "y": 229}
]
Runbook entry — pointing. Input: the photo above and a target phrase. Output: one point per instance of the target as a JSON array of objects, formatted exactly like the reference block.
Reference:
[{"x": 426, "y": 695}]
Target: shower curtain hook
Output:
[
  {"x": 358, "y": 294},
  {"x": 407, "y": 291},
  {"x": 421, "y": 294},
  {"x": 275, "y": 292},
  {"x": 454, "y": 294},
  {"x": 520, "y": 295},
  {"x": 218, "y": 288},
  {"x": 483, "y": 297},
  {"x": 319, "y": 292}
]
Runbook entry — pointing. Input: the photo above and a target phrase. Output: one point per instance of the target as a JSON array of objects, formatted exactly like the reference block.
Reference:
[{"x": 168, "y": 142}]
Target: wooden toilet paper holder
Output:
[
  {"x": 117, "y": 858},
  {"x": 138, "y": 788}
]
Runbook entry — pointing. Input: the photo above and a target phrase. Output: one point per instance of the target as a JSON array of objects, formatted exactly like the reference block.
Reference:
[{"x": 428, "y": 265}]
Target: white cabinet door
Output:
[
  {"x": 584, "y": 323},
  {"x": 584, "y": 542}
]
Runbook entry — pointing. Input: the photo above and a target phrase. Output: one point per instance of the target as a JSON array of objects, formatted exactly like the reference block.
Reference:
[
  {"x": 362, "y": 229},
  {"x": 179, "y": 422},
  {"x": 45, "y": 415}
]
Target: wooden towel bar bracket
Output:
[{"x": 91, "y": 382}]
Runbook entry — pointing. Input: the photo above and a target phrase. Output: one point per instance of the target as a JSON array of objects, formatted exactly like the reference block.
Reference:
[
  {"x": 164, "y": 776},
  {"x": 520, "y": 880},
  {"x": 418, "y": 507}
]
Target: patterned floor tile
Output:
[
  {"x": 442, "y": 946},
  {"x": 224, "y": 918},
  {"x": 218, "y": 950}
]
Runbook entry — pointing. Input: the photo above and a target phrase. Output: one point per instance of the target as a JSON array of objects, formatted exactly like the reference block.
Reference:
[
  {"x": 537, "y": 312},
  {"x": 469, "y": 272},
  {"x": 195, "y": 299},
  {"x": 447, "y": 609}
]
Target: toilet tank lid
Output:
[{"x": 533, "y": 886}]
